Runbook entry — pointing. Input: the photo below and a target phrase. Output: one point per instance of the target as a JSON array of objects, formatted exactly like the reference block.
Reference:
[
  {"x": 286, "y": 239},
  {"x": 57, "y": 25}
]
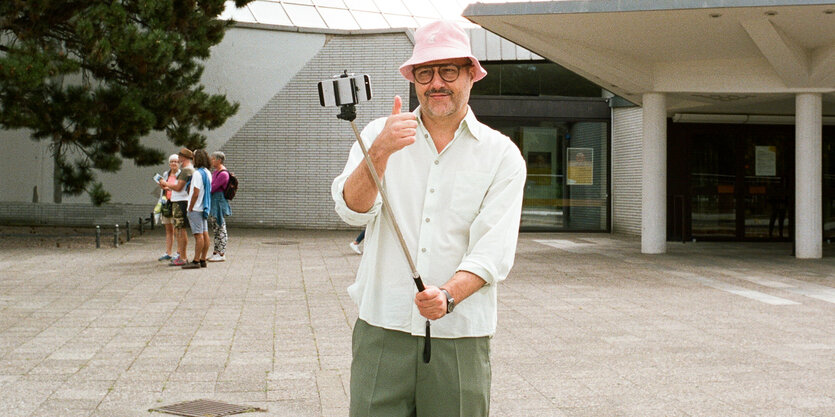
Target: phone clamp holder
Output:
[{"x": 348, "y": 111}]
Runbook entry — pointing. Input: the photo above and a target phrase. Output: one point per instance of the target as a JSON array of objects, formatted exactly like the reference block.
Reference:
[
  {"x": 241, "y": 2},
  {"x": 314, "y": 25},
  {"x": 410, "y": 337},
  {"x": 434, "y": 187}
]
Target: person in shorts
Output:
[
  {"x": 167, "y": 213},
  {"x": 179, "y": 196},
  {"x": 199, "y": 206}
]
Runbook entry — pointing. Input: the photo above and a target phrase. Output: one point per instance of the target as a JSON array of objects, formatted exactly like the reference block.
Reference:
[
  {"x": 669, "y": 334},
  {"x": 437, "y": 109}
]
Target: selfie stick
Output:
[{"x": 349, "y": 113}]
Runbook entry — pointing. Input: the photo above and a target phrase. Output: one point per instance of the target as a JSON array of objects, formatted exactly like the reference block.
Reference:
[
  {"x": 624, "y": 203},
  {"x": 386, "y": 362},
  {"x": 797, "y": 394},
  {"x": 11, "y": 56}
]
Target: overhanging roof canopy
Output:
[{"x": 709, "y": 55}]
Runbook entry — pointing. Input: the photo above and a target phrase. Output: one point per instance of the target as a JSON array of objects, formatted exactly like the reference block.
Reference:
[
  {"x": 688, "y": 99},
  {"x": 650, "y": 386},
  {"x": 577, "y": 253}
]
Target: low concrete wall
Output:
[{"x": 72, "y": 214}]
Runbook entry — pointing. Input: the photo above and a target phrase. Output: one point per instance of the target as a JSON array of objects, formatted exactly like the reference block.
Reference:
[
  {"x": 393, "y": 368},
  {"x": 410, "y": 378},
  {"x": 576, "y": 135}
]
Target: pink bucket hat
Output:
[{"x": 440, "y": 40}]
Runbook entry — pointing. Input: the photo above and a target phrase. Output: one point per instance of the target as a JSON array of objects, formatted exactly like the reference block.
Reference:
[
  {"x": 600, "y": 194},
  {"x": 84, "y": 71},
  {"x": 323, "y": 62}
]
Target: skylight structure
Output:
[{"x": 348, "y": 14}]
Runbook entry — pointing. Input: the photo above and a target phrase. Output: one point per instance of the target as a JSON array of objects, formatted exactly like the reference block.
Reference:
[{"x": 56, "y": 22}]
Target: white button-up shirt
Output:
[{"x": 458, "y": 210}]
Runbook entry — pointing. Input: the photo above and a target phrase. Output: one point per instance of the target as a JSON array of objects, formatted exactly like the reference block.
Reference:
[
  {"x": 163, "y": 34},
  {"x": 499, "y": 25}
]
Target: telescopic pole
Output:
[{"x": 348, "y": 112}]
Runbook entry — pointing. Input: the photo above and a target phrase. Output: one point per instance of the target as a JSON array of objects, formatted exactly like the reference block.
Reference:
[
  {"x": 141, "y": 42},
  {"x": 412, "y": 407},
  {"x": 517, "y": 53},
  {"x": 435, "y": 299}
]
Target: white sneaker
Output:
[
  {"x": 355, "y": 247},
  {"x": 217, "y": 258}
]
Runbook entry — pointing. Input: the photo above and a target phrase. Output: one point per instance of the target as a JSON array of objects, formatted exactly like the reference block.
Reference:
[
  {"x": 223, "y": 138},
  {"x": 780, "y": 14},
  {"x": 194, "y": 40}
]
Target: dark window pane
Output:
[
  {"x": 520, "y": 80},
  {"x": 533, "y": 79},
  {"x": 489, "y": 85},
  {"x": 558, "y": 81}
]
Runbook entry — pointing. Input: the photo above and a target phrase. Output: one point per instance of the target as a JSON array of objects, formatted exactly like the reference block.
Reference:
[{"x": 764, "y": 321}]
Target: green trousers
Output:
[{"x": 390, "y": 379}]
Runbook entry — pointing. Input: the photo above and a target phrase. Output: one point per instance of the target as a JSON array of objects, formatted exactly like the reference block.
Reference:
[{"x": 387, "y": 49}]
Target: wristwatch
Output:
[{"x": 450, "y": 302}]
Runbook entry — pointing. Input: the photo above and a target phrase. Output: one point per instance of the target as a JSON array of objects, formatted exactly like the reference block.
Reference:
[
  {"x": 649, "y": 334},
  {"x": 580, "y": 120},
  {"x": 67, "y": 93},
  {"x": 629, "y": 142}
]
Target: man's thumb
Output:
[{"x": 398, "y": 103}]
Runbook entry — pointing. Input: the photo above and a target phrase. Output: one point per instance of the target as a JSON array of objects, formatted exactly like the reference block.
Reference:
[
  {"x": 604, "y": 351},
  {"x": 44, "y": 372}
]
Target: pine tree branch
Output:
[{"x": 134, "y": 90}]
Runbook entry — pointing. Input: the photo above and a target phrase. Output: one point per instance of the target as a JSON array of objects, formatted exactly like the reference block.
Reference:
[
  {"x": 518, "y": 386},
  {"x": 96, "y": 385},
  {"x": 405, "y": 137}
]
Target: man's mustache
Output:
[{"x": 438, "y": 91}]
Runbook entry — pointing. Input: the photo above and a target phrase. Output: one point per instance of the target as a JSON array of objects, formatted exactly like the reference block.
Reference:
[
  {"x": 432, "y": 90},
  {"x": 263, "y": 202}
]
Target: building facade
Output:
[
  {"x": 285, "y": 148},
  {"x": 718, "y": 127},
  {"x": 737, "y": 101}
]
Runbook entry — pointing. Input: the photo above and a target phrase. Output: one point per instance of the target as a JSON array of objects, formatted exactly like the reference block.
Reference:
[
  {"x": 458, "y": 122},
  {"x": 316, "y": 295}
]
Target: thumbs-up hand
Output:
[
  {"x": 399, "y": 131},
  {"x": 398, "y": 104}
]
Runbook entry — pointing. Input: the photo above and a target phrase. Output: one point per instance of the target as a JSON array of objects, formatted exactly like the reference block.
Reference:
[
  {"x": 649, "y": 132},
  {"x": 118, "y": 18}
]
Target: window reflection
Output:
[
  {"x": 533, "y": 79},
  {"x": 713, "y": 187}
]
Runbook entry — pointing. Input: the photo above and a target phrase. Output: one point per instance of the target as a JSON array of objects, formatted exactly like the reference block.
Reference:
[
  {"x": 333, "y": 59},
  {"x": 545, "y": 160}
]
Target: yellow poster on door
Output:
[{"x": 580, "y": 166}]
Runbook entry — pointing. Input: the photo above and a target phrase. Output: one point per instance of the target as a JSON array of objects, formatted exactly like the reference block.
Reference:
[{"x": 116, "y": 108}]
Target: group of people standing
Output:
[{"x": 193, "y": 190}]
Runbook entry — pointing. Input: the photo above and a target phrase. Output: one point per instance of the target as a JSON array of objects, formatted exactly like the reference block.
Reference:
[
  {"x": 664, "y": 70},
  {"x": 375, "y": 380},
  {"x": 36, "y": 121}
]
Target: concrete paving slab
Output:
[{"x": 587, "y": 327}]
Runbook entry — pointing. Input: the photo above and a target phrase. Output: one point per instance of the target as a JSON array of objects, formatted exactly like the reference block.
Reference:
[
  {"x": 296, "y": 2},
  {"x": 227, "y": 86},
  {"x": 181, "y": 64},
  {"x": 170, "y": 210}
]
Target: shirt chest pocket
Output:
[{"x": 468, "y": 191}]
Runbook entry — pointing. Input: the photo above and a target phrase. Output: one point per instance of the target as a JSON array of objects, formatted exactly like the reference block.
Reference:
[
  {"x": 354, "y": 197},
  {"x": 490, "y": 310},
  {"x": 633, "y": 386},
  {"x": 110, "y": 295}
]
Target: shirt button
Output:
[
  {"x": 427, "y": 220},
  {"x": 423, "y": 250},
  {"x": 431, "y": 190},
  {"x": 426, "y": 135},
  {"x": 437, "y": 162}
]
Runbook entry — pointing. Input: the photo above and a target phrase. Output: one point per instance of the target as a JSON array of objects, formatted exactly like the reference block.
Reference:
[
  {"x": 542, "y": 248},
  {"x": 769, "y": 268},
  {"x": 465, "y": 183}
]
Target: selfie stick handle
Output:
[
  {"x": 348, "y": 112},
  {"x": 387, "y": 208}
]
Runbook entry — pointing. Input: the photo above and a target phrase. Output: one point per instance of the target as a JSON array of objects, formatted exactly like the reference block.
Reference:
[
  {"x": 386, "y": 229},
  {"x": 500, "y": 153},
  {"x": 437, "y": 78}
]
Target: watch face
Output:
[{"x": 450, "y": 302}]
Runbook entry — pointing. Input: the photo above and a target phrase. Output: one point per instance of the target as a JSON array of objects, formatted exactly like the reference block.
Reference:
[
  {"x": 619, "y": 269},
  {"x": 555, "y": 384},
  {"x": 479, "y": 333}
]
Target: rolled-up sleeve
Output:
[
  {"x": 355, "y": 158},
  {"x": 495, "y": 230}
]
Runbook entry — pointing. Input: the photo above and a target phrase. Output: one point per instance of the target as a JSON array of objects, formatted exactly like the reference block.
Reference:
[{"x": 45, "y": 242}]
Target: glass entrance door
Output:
[
  {"x": 765, "y": 192},
  {"x": 713, "y": 186},
  {"x": 567, "y": 188},
  {"x": 731, "y": 182}
]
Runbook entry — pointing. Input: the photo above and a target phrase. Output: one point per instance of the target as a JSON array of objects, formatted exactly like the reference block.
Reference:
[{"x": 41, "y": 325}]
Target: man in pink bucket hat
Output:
[{"x": 455, "y": 186}]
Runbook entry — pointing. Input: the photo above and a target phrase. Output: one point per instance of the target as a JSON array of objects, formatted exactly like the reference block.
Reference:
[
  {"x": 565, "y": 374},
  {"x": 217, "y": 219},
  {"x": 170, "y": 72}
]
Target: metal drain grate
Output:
[{"x": 205, "y": 408}]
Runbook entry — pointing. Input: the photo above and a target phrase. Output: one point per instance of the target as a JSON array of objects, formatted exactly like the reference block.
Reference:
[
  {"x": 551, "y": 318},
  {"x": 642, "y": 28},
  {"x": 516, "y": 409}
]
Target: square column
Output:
[
  {"x": 654, "y": 171},
  {"x": 808, "y": 212}
]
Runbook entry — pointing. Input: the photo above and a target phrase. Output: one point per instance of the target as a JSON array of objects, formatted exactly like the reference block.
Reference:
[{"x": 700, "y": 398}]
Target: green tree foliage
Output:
[{"x": 94, "y": 77}]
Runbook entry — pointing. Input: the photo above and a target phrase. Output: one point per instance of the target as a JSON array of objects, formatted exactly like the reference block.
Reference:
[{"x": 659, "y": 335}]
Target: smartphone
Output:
[
  {"x": 157, "y": 177},
  {"x": 344, "y": 89}
]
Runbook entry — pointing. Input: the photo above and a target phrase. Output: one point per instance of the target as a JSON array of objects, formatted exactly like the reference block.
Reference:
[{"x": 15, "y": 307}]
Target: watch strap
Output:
[{"x": 450, "y": 302}]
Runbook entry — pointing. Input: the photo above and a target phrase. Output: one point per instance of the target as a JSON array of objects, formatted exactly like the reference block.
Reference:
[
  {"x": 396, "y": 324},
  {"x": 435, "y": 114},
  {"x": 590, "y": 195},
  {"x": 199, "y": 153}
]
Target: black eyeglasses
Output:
[{"x": 448, "y": 72}]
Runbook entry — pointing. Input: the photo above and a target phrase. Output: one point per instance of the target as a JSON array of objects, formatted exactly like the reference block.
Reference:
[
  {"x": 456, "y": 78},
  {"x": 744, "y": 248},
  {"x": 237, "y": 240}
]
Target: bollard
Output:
[
  {"x": 152, "y": 220},
  {"x": 116, "y": 237},
  {"x": 127, "y": 231},
  {"x": 141, "y": 231},
  {"x": 98, "y": 236}
]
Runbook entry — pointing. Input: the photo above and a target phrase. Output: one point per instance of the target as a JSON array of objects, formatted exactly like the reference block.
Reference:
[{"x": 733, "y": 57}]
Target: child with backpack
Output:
[{"x": 224, "y": 187}]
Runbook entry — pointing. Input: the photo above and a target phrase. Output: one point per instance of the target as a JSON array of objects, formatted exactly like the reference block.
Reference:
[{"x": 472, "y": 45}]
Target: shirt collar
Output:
[{"x": 469, "y": 122}]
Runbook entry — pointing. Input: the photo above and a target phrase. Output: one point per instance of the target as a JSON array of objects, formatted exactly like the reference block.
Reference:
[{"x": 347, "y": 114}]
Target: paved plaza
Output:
[{"x": 587, "y": 327}]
